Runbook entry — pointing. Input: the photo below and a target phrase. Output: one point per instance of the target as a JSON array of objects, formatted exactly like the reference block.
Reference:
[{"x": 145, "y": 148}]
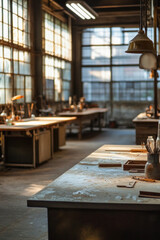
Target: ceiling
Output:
[{"x": 111, "y": 12}]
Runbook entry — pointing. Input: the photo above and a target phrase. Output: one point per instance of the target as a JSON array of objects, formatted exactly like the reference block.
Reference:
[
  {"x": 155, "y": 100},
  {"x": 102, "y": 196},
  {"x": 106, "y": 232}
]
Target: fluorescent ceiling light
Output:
[
  {"x": 86, "y": 11},
  {"x": 81, "y": 9},
  {"x": 74, "y": 10}
]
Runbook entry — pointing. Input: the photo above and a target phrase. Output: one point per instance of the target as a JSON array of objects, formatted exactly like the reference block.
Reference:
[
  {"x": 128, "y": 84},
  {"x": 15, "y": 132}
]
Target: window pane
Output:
[
  {"x": 117, "y": 35},
  {"x": 8, "y": 81},
  {"x": 65, "y": 95},
  {"x": 96, "y": 74},
  {"x": 1, "y": 64},
  {"x": 96, "y": 55},
  {"x": 2, "y": 96},
  {"x": 49, "y": 94},
  {"x": 132, "y": 91},
  {"x": 8, "y": 95},
  {"x": 0, "y": 30},
  {"x": 16, "y": 67},
  {"x": 66, "y": 70},
  {"x": 129, "y": 73},
  {"x": 7, "y": 66},
  {"x": 19, "y": 82},
  {"x": 28, "y": 95},
  {"x": 28, "y": 82},
  {"x": 96, "y": 36},
  {"x": 49, "y": 84},
  {"x": 2, "y": 81},
  {"x": 96, "y": 91},
  {"x": 120, "y": 57}
]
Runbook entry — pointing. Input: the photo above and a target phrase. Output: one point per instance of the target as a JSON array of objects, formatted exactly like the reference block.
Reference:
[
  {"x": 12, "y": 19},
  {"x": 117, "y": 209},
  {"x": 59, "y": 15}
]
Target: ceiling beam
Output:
[
  {"x": 111, "y": 21},
  {"x": 113, "y": 3},
  {"x": 116, "y": 6},
  {"x": 119, "y": 13}
]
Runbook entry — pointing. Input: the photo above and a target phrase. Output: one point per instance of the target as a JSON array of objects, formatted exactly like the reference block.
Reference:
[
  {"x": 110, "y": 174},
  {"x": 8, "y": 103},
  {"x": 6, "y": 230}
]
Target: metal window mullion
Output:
[
  {"x": 2, "y": 21},
  {"x": 9, "y": 13},
  {"x": 4, "y": 76},
  {"x": 24, "y": 88},
  {"x": 111, "y": 80},
  {"x": 61, "y": 60},
  {"x": 61, "y": 37},
  {"x": 123, "y": 37},
  {"x": 103, "y": 45},
  {"x": 44, "y": 75},
  {"x": 12, "y": 64},
  {"x": 44, "y": 56}
]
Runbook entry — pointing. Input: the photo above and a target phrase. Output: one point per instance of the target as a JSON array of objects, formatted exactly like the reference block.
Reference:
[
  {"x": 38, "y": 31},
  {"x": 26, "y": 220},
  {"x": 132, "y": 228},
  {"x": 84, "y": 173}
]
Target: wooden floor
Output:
[{"x": 17, "y": 221}]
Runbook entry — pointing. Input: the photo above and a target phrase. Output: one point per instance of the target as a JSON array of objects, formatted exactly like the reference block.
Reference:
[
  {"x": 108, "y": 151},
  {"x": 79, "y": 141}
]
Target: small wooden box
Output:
[{"x": 134, "y": 164}]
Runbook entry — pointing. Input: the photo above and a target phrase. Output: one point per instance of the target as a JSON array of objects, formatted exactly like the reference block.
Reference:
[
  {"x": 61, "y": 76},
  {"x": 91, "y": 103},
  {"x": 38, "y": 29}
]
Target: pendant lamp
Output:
[{"x": 140, "y": 43}]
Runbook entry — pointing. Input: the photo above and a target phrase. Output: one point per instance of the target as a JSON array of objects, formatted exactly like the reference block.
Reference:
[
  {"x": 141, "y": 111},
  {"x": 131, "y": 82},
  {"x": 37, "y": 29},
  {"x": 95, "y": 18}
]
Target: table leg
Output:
[
  {"x": 70, "y": 129},
  {"x": 99, "y": 121},
  {"x": 80, "y": 131},
  {"x": 91, "y": 124},
  {"x": 34, "y": 149},
  {"x": 3, "y": 145}
]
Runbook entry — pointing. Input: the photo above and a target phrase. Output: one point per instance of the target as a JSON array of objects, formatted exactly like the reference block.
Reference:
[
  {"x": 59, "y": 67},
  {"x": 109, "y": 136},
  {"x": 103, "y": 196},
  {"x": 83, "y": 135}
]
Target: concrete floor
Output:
[{"x": 19, "y": 222}]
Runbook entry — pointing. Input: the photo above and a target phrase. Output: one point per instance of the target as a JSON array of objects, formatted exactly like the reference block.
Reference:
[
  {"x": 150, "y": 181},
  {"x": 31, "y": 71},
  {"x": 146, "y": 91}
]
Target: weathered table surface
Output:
[
  {"x": 85, "y": 202},
  {"x": 86, "y": 115},
  {"x": 85, "y": 112},
  {"x": 27, "y": 141},
  {"x": 88, "y": 185},
  {"x": 38, "y": 122},
  {"x": 143, "y": 118}
]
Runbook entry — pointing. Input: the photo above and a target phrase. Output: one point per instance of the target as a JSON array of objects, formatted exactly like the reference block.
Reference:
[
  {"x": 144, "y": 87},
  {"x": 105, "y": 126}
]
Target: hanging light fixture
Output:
[
  {"x": 81, "y": 9},
  {"x": 140, "y": 43}
]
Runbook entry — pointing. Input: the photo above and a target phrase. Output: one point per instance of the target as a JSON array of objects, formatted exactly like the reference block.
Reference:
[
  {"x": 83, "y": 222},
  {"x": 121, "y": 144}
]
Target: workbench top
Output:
[
  {"x": 143, "y": 118},
  {"x": 37, "y": 122},
  {"x": 87, "y": 185},
  {"x": 85, "y": 112}
]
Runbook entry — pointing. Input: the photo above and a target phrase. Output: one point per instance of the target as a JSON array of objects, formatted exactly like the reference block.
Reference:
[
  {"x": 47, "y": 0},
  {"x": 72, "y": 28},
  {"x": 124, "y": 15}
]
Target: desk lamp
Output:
[{"x": 13, "y": 99}]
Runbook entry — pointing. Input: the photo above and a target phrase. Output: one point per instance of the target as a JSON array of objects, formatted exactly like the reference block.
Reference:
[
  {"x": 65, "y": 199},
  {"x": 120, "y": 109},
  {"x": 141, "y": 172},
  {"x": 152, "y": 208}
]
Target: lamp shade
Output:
[
  {"x": 140, "y": 44},
  {"x": 17, "y": 97},
  {"x": 148, "y": 60}
]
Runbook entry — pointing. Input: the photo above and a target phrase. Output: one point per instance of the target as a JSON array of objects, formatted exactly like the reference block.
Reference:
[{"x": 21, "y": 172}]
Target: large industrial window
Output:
[
  {"x": 107, "y": 71},
  {"x": 56, "y": 58},
  {"x": 15, "y": 70}
]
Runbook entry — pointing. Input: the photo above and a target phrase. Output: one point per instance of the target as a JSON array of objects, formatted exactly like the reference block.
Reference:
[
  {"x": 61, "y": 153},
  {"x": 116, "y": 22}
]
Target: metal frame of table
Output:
[{"x": 85, "y": 202}]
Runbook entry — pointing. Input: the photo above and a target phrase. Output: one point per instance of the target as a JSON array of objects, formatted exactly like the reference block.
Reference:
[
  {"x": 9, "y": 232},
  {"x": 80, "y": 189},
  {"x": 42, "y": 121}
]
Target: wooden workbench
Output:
[
  {"x": 85, "y": 202},
  {"x": 87, "y": 115},
  {"x": 30, "y": 142},
  {"x": 145, "y": 127}
]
